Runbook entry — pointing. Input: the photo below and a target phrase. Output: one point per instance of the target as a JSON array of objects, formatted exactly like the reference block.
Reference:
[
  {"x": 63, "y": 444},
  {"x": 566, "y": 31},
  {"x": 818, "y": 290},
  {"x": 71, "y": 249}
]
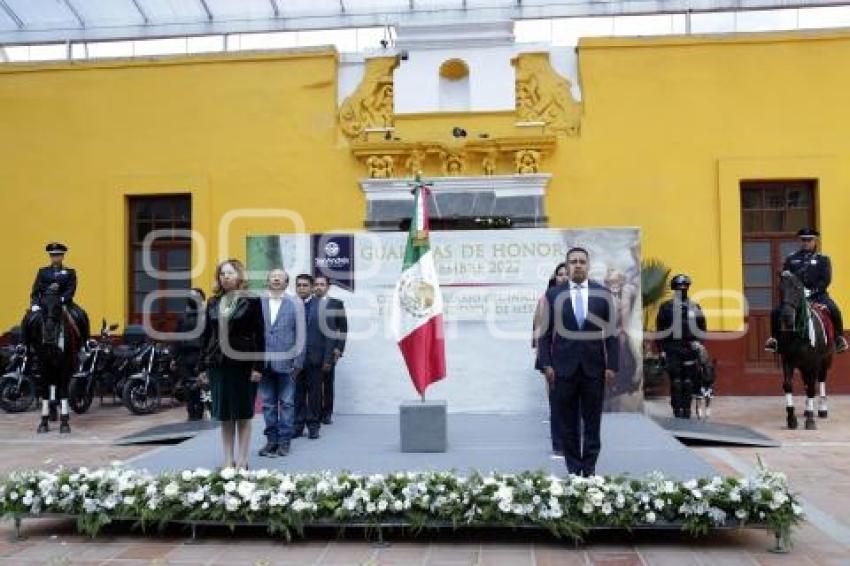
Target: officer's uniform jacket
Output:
[
  {"x": 812, "y": 268},
  {"x": 64, "y": 277}
]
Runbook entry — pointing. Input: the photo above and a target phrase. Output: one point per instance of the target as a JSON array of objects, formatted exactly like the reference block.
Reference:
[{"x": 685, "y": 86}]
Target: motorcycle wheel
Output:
[
  {"x": 141, "y": 400},
  {"x": 79, "y": 397},
  {"x": 15, "y": 397}
]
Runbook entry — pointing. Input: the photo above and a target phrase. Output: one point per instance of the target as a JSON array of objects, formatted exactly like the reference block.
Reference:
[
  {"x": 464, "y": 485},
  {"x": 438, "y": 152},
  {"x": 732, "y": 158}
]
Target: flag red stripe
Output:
[{"x": 425, "y": 353}]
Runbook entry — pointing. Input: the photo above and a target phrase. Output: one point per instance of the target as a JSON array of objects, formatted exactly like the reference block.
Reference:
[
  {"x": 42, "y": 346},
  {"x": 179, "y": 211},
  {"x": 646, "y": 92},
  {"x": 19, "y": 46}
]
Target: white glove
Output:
[
  {"x": 807, "y": 292},
  {"x": 35, "y": 308}
]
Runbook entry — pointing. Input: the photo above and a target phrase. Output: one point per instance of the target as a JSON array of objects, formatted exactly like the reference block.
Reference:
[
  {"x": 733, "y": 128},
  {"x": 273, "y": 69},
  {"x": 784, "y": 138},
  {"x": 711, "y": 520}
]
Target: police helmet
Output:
[{"x": 680, "y": 281}]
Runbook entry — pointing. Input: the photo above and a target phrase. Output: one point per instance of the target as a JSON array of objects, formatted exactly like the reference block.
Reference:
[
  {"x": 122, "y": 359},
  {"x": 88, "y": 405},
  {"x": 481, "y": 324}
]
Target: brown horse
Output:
[
  {"x": 805, "y": 343},
  {"x": 55, "y": 338}
]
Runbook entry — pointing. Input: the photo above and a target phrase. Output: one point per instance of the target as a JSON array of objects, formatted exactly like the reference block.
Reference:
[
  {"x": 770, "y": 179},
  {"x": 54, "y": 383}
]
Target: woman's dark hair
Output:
[{"x": 562, "y": 265}]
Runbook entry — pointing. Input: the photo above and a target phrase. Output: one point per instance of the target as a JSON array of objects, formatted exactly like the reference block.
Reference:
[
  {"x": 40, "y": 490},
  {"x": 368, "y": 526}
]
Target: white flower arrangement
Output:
[{"x": 287, "y": 502}]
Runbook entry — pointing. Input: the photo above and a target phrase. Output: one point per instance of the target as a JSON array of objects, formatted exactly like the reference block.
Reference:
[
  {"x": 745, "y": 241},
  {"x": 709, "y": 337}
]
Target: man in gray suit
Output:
[{"x": 285, "y": 335}]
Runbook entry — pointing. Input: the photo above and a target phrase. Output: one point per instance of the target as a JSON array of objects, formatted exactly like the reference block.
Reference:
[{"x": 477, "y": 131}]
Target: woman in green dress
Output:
[{"x": 232, "y": 357}]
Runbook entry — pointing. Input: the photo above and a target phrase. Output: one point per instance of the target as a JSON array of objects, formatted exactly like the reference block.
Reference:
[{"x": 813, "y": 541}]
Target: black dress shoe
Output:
[
  {"x": 299, "y": 432},
  {"x": 314, "y": 434},
  {"x": 269, "y": 450},
  {"x": 327, "y": 420},
  {"x": 283, "y": 449}
]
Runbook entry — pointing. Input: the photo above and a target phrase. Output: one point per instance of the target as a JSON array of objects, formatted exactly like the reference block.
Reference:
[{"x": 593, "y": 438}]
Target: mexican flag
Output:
[{"x": 417, "y": 308}]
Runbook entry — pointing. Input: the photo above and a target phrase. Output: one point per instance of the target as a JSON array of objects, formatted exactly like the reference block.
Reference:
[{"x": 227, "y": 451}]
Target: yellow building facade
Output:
[{"x": 668, "y": 129}]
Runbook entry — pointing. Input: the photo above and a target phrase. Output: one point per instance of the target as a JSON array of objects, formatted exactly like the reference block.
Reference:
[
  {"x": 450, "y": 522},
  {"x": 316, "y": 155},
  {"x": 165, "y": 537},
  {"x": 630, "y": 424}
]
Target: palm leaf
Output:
[{"x": 653, "y": 281}]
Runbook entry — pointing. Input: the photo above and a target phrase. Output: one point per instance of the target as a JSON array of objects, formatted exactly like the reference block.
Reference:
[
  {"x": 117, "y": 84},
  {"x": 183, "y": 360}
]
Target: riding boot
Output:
[
  {"x": 43, "y": 426},
  {"x": 64, "y": 427}
]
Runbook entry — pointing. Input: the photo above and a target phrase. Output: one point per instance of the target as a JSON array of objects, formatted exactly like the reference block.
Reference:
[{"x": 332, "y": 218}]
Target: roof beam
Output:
[
  {"x": 275, "y": 9},
  {"x": 141, "y": 11},
  {"x": 74, "y": 11},
  {"x": 11, "y": 13},
  {"x": 206, "y": 9},
  {"x": 157, "y": 29}
]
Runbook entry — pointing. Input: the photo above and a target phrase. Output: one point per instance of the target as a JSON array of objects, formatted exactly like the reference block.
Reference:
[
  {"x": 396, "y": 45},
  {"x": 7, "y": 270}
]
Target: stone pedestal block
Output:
[{"x": 423, "y": 426}]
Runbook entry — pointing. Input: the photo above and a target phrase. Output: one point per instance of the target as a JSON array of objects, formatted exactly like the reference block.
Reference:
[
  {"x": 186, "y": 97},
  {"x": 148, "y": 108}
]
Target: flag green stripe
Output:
[{"x": 414, "y": 249}]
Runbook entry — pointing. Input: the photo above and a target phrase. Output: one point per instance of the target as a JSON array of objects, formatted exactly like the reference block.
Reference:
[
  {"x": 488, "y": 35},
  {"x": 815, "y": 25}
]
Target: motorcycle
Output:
[
  {"x": 96, "y": 361},
  {"x": 19, "y": 384},
  {"x": 142, "y": 392}
]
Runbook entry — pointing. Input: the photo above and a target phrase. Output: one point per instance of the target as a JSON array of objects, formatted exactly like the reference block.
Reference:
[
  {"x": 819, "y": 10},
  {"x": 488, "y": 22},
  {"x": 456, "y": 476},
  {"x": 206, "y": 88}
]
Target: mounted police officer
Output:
[
  {"x": 681, "y": 327},
  {"x": 814, "y": 270},
  {"x": 61, "y": 280}
]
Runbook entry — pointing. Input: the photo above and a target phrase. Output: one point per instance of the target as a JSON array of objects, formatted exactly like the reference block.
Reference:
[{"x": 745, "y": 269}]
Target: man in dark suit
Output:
[
  {"x": 318, "y": 359},
  {"x": 580, "y": 356},
  {"x": 335, "y": 310}
]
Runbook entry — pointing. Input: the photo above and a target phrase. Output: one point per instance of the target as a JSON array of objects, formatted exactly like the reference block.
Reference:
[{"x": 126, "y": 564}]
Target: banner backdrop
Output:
[{"x": 491, "y": 282}]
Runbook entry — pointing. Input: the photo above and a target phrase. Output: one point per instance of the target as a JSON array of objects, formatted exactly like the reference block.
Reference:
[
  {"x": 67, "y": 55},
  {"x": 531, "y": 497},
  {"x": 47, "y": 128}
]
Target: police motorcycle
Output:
[
  {"x": 142, "y": 391},
  {"x": 97, "y": 361},
  {"x": 19, "y": 383}
]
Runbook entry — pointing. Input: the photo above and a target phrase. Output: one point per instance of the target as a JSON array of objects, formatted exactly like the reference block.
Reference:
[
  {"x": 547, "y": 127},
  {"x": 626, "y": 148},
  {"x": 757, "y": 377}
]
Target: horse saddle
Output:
[{"x": 822, "y": 312}]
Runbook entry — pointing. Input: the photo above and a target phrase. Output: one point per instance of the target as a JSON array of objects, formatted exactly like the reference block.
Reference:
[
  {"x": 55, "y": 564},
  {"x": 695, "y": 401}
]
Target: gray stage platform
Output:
[{"x": 631, "y": 443}]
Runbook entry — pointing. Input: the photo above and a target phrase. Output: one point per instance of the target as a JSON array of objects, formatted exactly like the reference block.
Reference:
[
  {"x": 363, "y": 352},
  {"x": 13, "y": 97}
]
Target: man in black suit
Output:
[
  {"x": 318, "y": 359},
  {"x": 335, "y": 310},
  {"x": 580, "y": 356}
]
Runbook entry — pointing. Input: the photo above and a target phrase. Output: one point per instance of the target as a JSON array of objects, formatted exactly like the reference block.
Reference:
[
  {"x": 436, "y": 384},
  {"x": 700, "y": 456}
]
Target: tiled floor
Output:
[{"x": 815, "y": 461}]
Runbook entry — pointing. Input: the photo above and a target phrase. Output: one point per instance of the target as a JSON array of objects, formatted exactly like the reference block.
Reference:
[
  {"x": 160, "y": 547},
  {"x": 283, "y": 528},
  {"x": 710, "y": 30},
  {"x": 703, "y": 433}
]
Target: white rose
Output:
[
  {"x": 186, "y": 475},
  {"x": 228, "y": 473},
  {"x": 650, "y": 517},
  {"x": 171, "y": 490},
  {"x": 370, "y": 507},
  {"x": 382, "y": 505},
  {"x": 230, "y": 487},
  {"x": 606, "y": 508}
]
